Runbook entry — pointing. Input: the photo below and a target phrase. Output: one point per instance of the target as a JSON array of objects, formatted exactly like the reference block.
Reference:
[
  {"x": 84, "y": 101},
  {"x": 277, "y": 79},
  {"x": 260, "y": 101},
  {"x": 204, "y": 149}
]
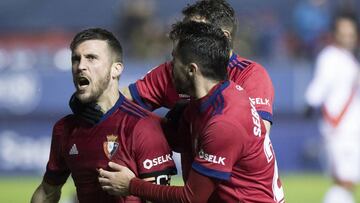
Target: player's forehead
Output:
[{"x": 97, "y": 46}]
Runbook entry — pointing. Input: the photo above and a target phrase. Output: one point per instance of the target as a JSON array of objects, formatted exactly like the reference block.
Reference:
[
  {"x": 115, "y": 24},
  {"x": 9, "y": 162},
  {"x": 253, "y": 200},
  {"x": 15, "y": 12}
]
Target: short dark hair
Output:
[
  {"x": 218, "y": 12},
  {"x": 344, "y": 14},
  {"x": 99, "y": 34},
  {"x": 205, "y": 45}
]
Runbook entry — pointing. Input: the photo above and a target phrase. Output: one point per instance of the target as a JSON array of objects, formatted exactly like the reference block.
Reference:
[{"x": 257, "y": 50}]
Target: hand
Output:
[
  {"x": 90, "y": 112},
  {"x": 116, "y": 183}
]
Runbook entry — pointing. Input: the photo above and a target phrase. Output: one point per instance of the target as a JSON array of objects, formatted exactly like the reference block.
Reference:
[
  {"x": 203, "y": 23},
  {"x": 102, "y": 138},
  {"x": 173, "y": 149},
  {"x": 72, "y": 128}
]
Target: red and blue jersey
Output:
[
  {"x": 156, "y": 88},
  {"x": 229, "y": 143},
  {"x": 127, "y": 135}
]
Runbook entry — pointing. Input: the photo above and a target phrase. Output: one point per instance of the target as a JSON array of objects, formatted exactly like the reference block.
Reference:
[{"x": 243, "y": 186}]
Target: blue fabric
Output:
[{"x": 210, "y": 172}]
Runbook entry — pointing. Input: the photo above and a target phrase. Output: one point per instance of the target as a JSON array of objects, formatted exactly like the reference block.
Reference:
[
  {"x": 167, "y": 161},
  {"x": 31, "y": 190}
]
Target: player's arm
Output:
[
  {"x": 46, "y": 193},
  {"x": 261, "y": 91},
  {"x": 155, "y": 89},
  {"x": 127, "y": 184},
  {"x": 323, "y": 80},
  {"x": 203, "y": 172},
  {"x": 56, "y": 170}
]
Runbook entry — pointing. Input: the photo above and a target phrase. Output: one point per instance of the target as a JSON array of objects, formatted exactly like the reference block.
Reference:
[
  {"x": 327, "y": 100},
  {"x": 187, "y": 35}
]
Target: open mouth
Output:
[{"x": 82, "y": 82}]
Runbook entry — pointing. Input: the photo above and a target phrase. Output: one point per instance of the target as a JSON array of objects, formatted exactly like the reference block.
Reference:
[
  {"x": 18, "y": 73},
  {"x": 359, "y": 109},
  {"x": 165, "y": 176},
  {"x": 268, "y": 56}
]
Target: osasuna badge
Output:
[{"x": 111, "y": 146}]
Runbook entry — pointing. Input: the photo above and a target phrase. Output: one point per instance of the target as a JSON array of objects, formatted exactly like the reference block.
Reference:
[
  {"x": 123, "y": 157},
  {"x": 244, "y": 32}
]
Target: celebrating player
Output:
[
  {"x": 233, "y": 159},
  {"x": 126, "y": 134}
]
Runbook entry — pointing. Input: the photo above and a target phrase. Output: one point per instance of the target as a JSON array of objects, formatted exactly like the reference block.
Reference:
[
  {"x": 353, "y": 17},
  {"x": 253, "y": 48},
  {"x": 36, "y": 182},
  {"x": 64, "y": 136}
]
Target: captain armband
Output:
[{"x": 159, "y": 177}]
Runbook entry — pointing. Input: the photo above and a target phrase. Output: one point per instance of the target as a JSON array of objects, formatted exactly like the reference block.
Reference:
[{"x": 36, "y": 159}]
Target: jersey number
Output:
[{"x": 276, "y": 184}]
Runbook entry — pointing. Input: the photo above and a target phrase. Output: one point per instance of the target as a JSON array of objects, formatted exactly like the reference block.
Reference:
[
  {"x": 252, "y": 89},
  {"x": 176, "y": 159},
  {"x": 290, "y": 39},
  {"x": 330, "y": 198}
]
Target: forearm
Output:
[
  {"x": 157, "y": 193},
  {"x": 194, "y": 190},
  {"x": 46, "y": 193}
]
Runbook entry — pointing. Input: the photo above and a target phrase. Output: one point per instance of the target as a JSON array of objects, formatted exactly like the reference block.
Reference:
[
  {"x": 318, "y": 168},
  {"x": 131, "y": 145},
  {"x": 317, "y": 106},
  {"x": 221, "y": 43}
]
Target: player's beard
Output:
[{"x": 97, "y": 89}]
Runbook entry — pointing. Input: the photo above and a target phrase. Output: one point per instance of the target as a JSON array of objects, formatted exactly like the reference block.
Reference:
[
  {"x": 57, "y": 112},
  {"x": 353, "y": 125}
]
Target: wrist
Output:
[{"x": 133, "y": 184}]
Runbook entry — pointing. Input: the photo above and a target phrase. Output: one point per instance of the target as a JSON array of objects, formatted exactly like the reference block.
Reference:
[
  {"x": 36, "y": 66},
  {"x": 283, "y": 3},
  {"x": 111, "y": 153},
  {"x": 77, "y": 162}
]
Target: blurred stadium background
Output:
[{"x": 35, "y": 76}]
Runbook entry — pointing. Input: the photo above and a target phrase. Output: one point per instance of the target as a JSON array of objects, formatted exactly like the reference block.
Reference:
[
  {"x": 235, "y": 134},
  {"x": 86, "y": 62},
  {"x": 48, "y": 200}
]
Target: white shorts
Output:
[{"x": 343, "y": 154}]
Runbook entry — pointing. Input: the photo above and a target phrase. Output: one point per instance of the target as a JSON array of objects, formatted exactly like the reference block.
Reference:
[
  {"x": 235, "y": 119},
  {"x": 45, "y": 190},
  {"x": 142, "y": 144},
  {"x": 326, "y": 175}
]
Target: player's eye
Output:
[
  {"x": 75, "y": 59},
  {"x": 91, "y": 57}
]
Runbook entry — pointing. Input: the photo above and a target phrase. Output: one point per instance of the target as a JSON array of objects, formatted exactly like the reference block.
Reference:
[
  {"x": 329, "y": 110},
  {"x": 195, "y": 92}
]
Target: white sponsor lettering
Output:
[
  {"x": 261, "y": 101},
  {"x": 211, "y": 158},
  {"x": 256, "y": 119},
  {"x": 149, "y": 163}
]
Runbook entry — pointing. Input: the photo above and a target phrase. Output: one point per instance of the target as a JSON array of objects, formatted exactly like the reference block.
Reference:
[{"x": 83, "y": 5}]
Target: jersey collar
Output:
[
  {"x": 214, "y": 97},
  {"x": 113, "y": 109}
]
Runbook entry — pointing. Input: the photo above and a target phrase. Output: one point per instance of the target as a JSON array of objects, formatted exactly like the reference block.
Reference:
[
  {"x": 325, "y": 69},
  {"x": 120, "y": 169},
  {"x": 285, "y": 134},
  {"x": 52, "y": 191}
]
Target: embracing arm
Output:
[
  {"x": 194, "y": 190},
  {"x": 46, "y": 193}
]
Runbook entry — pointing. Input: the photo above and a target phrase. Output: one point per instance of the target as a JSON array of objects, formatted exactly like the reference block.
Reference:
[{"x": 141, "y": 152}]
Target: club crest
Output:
[{"x": 110, "y": 146}]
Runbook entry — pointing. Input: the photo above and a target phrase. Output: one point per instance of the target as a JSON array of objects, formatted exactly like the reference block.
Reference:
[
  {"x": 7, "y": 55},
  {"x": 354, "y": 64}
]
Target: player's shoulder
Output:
[
  {"x": 332, "y": 55},
  {"x": 234, "y": 94},
  {"x": 148, "y": 128},
  {"x": 63, "y": 123},
  {"x": 237, "y": 101},
  {"x": 238, "y": 64},
  {"x": 133, "y": 111}
]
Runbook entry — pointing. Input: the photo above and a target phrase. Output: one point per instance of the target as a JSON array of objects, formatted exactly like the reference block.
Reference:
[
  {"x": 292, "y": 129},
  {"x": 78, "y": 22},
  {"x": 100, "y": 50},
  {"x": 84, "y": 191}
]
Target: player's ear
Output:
[
  {"x": 193, "y": 68},
  {"x": 227, "y": 33},
  {"x": 116, "y": 69}
]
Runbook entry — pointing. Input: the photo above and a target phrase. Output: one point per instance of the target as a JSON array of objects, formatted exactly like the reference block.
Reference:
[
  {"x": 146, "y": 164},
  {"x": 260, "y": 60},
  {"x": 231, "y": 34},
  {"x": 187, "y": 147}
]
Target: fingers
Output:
[
  {"x": 108, "y": 189},
  {"x": 105, "y": 173},
  {"x": 104, "y": 181},
  {"x": 116, "y": 166}
]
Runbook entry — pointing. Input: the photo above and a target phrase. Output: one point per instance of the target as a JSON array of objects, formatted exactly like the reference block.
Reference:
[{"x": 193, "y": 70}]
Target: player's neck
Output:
[
  {"x": 108, "y": 99},
  {"x": 203, "y": 86}
]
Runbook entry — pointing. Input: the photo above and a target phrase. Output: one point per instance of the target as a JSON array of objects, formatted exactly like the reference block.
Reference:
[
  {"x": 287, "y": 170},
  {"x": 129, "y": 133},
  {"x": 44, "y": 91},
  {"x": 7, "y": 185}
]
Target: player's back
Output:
[{"x": 229, "y": 139}]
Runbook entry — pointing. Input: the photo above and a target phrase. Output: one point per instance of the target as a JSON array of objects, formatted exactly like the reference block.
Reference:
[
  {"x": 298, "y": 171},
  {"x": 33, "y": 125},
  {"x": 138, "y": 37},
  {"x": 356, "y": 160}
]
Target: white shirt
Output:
[{"x": 336, "y": 74}]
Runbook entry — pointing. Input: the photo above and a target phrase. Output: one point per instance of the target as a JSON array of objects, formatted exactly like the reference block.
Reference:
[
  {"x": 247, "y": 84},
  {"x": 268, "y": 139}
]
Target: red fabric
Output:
[
  {"x": 197, "y": 189},
  {"x": 156, "y": 87},
  {"x": 229, "y": 143},
  {"x": 81, "y": 149}
]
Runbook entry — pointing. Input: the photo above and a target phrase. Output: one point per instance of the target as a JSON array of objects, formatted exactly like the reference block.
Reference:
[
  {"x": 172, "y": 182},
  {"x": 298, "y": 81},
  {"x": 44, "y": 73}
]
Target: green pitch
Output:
[{"x": 299, "y": 188}]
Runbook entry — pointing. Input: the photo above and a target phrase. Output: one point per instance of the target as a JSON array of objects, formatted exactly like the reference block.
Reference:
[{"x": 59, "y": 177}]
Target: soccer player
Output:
[
  {"x": 126, "y": 134},
  {"x": 335, "y": 87},
  {"x": 233, "y": 159},
  {"x": 156, "y": 90}
]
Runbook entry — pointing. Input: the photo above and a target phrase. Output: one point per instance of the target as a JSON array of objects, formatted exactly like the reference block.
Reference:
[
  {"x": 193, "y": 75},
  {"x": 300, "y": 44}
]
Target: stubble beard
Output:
[{"x": 97, "y": 91}]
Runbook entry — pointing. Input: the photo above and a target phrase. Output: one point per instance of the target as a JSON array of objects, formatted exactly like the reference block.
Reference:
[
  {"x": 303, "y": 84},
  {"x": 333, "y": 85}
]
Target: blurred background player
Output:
[
  {"x": 125, "y": 134},
  {"x": 335, "y": 88},
  {"x": 156, "y": 90},
  {"x": 233, "y": 159}
]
